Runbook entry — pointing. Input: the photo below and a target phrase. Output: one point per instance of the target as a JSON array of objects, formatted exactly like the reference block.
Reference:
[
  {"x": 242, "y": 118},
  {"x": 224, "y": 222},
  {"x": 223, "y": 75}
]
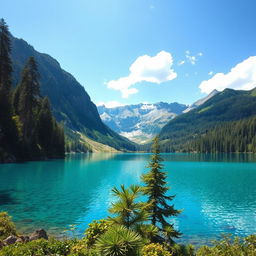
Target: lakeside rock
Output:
[
  {"x": 10, "y": 240},
  {"x": 39, "y": 233}
]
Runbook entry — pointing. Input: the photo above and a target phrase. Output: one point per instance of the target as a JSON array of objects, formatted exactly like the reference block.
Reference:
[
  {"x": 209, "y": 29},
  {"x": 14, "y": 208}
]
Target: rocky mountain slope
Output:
[
  {"x": 200, "y": 101},
  {"x": 140, "y": 122}
]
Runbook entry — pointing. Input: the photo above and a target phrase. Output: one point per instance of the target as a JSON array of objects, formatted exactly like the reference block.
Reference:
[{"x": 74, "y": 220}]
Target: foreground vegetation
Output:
[
  {"x": 134, "y": 227},
  {"x": 28, "y": 130},
  {"x": 100, "y": 239}
]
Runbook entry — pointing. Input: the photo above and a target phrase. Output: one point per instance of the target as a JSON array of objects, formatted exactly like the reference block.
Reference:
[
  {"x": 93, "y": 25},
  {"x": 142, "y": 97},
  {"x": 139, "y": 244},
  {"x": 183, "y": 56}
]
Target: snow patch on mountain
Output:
[{"x": 140, "y": 122}]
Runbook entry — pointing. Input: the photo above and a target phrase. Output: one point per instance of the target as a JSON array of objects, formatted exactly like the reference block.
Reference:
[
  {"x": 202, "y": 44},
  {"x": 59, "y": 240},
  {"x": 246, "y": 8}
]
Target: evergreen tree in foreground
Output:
[
  {"x": 128, "y": 212},
  {"x": 155, "y": 189}
]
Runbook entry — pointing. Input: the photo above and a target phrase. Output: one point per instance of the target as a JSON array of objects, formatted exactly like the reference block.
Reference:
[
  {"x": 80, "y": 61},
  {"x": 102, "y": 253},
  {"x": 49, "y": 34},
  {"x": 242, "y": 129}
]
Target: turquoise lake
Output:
[{"x": 216, "y": 192}]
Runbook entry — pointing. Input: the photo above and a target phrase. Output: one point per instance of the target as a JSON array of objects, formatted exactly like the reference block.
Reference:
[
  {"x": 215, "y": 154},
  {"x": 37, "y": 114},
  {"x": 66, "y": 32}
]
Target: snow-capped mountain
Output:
[{"x": 140, "y": 122}]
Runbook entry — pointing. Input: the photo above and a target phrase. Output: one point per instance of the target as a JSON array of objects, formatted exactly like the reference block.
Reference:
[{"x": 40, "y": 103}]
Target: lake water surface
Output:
[{"x": 216, "y": 192}]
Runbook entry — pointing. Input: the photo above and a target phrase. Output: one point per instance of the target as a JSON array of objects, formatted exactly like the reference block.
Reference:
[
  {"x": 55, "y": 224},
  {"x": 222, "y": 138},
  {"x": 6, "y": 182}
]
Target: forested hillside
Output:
[
  {"x": 28, "y": 130},
  {"x": 213, "y": 116},
  {"x": 70, "y": 102}
]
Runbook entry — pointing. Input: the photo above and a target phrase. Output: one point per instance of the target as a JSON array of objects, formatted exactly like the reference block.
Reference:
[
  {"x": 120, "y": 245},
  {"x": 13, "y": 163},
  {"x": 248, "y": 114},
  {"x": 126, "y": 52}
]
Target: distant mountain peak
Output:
[
  {"x": 140, "y": 122},
  {"x": 201, "y": 101}
]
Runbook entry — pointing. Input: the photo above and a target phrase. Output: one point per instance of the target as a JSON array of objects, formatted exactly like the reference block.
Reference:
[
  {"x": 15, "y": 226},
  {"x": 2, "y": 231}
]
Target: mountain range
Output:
[
  {"x": 104, "y": 128},
  {"x": 140, "y": 122}
]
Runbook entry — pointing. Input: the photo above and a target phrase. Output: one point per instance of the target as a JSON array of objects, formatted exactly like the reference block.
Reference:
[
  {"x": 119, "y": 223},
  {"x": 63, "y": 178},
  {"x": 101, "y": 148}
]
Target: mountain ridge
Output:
[
  {"x": 71, "y": 104},
  {"x": 226, "y": 106}
]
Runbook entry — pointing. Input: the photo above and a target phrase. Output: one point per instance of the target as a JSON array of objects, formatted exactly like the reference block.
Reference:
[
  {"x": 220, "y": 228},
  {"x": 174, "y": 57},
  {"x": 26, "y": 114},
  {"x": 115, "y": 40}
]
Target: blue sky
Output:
[{"x": 98, "y": 41}]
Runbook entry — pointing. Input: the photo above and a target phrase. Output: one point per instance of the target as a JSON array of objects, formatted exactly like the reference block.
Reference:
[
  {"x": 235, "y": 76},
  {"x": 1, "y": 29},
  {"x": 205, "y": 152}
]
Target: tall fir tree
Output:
[
  {"x": 8, "y": 131},
  {"x": 49, "y": 133},
  {"x": 5, "y": 59},
  {"x": 45, "y": 127},
  {"x": 29, "y": 100},
  {"x": 156, "y": 190}
]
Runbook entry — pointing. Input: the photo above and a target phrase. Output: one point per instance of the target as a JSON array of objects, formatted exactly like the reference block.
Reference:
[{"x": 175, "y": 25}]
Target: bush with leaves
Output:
[
  {"x": 231, "y": 247},
  {"x": 80, "y": 248},
  {"x": 154, "y": 249},
  {"x": 39, "y": 247},
  {"x": 181, "y": 250},
  {"x": 7, "y": 227},
  {"x": 119, "y": 241},
  {"x": 147, "y": 231},
  {"x": 95, "y": 229}
]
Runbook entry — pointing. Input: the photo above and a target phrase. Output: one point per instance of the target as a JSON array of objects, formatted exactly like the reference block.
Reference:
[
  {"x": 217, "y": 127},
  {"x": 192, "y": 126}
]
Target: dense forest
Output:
[
  {"x": 28, "y": 130},
  {"x": 239, "y": 136},
  {"x": 229, "y": 137}
]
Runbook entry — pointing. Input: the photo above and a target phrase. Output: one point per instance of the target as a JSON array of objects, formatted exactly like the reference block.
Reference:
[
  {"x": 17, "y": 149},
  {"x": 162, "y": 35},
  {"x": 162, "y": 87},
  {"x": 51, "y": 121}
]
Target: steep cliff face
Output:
[{"x": 70, "y": 102}]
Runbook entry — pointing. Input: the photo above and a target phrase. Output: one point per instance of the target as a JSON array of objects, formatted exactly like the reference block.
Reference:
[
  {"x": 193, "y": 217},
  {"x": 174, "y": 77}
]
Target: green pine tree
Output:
[
  {"x": 8, "y": 130},
  {"x": 50, "y": 133},
  {"x": 5, "y": 60},
  {"x": 156, "y": 190},
  {"x": 28, "y": 102},
  {"x": 45, "y": 127},
  {"x": 128, "y": 212}
]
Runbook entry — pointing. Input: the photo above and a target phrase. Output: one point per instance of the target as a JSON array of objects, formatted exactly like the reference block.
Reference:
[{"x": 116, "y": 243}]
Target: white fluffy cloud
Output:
[
  {"x": 240, "y": 77},
  {"x": 156, "y": 69},
  {"x": 110, "y": 104}
]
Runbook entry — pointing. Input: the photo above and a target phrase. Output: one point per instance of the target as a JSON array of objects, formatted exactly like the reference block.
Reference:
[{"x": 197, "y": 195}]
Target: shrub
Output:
[
  {"x": 231, "y": 247},
  {"x": 119, "y": 241},
  {"x": 182, "y": 250},
  {"x": 154, "y": 249},
  {"x": 7, "y": 227},
  {"x": 39, "y": 247},
  {"x": 95, "y": 229},
  {"x": 80, "y": 248}
]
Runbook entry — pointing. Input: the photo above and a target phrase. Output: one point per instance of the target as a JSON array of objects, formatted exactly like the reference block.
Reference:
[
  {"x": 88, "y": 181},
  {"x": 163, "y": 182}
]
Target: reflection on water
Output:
[
  {"x": 90, "y": 157},
  {"x": 224, "y": 157},
  {"x": 217, "y": 192}
]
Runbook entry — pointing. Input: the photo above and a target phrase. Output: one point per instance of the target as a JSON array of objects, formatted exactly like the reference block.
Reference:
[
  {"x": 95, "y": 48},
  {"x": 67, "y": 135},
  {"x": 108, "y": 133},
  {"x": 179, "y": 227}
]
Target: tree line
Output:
[
  {"x": 238, "y": 136},
  {"x": 28, "y": 129},
  {"x": 229, "y": 137}
]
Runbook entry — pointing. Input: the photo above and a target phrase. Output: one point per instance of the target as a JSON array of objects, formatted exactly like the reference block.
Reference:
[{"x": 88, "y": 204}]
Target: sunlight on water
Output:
[{"x": 216, "y": 192}]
